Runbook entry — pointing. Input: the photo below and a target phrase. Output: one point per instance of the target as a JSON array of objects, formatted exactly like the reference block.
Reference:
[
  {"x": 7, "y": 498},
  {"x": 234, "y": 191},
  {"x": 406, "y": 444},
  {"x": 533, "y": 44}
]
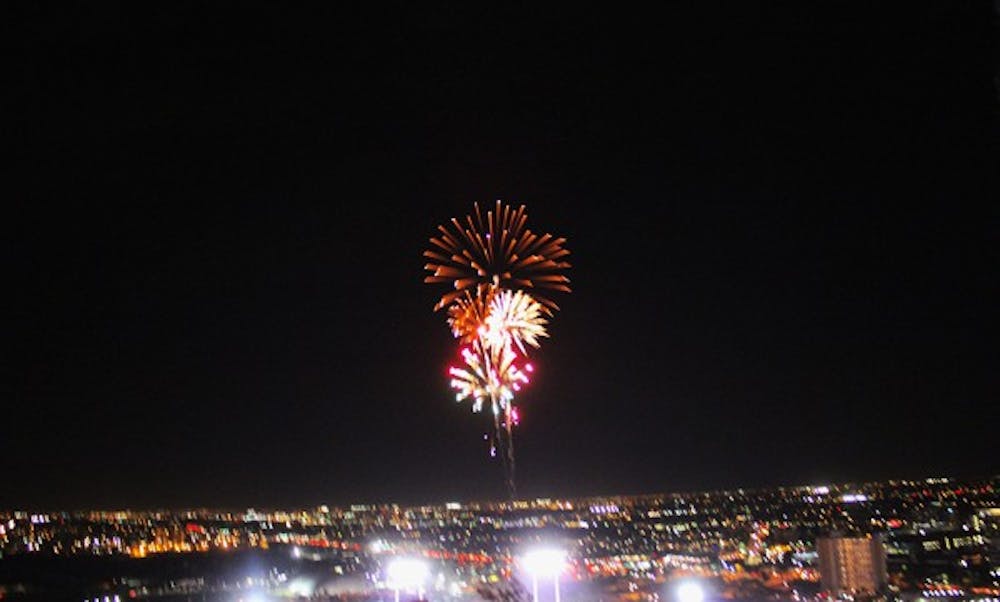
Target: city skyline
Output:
[
  {"x": 928, "y": 537},
  {"x": 783, "y": 230}
]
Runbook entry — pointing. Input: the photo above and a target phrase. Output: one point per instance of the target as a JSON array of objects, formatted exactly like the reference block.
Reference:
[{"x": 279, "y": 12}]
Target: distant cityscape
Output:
[{"x": 928, "y": 539}]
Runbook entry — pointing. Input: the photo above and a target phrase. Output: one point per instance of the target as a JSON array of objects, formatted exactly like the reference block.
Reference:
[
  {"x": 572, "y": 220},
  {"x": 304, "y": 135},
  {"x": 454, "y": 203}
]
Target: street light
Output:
[
  {"x": 407, "y": 574},
  {"x": 544, "y": 563}
]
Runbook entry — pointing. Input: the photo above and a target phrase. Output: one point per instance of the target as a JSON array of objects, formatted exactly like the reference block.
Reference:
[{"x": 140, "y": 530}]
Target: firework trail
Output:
[{"x": 492, "y": 262}]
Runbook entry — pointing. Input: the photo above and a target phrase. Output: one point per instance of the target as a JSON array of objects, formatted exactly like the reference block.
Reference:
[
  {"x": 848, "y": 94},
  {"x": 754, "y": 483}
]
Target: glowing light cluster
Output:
[{"x": 492, "y": 261}]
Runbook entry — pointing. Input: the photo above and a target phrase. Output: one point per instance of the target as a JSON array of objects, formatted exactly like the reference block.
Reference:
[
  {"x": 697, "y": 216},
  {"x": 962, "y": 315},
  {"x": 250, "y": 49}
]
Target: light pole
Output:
[
  {"x": 544, "y": 563},
  {"x": 407, "y": 574}
]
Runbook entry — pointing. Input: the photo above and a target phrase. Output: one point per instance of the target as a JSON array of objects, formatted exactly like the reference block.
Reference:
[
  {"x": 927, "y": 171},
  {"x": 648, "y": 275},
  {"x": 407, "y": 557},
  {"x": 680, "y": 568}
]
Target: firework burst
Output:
[
  {"x": 468, "y": 312},
  {"x": 492, "y": 262},
  {"x": 497, "y": 250},
  {"x": 514, "y": 317},
  {"x": 489, "y": 374}
]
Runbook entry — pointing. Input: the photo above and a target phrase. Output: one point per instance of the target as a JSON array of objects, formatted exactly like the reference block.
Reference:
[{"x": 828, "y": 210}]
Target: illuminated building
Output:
[{"x": 852, "y": 564}]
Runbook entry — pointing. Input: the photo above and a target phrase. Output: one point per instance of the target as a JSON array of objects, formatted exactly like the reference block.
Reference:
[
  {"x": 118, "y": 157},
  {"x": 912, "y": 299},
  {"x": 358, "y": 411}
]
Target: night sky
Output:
[{"x": 783, "y": 225}]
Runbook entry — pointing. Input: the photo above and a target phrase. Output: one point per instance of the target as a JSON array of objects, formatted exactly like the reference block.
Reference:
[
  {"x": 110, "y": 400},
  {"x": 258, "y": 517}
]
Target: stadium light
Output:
[
  {"x": 690, "y": 591},
  {"x": 546, "y": 562},
  {"x": 407, "y": 574}
]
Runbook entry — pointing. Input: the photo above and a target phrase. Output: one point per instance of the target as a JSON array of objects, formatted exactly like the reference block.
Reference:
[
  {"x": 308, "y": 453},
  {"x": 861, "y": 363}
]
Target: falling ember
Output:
[{"x": 492, "y": 262}]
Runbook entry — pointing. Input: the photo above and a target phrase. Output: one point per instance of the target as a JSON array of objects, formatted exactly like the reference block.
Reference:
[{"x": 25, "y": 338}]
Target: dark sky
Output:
[{"x": 783, "y": 224}]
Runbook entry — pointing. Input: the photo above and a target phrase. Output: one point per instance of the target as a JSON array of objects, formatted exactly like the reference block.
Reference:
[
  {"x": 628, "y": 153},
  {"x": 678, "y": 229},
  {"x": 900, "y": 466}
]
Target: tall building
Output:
[{"x": 852, "y": 564}]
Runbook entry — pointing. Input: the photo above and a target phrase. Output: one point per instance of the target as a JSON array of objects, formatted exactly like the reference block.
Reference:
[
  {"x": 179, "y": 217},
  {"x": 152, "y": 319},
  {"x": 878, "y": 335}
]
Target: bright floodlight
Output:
[
  {"x": 545, "y": 563},
  {"x": 690, "y": 591},
  {"x": 407, "y": 573}
]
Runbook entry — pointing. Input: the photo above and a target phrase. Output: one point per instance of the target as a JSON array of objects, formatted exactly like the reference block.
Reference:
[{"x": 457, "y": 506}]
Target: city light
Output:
[{"x": 460, "y": 547}]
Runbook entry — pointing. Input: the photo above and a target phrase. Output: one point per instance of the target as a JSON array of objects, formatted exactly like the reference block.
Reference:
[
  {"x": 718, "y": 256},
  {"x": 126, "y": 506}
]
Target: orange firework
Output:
[
  {"x": 497, "y": 250},
  {"x": 468, "y": 313}
]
